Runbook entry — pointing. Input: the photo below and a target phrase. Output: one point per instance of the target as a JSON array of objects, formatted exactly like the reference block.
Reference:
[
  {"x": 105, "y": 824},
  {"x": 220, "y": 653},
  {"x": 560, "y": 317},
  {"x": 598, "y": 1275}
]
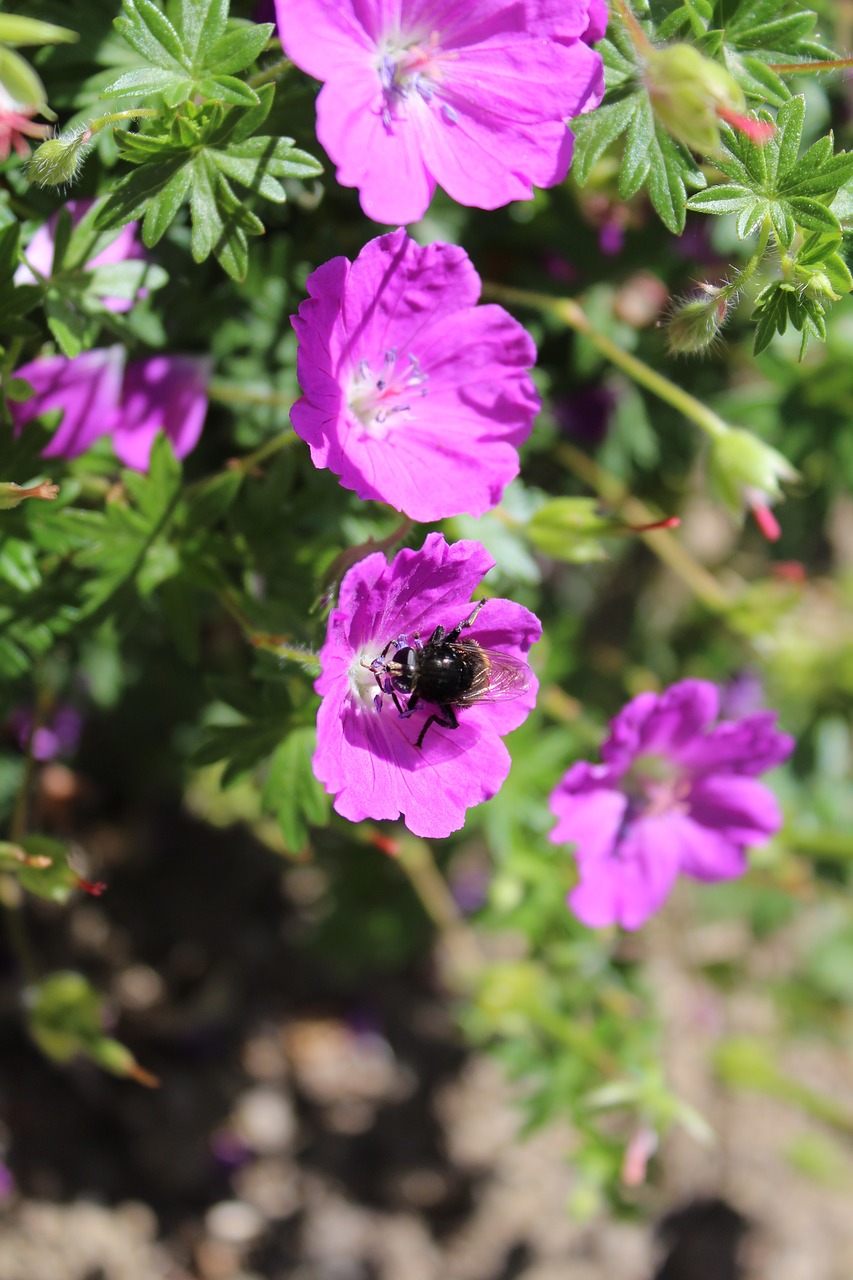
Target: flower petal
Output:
[
  {"x": 633, "y": 884},
  {"x": 751, "y": 745},
  {"x": 164, "y": 393},
  {"x": 663, "y": 723},
  {"x": 706, "y": 854},
  {"x": 740, "y": 809},
  {"x": 86, "y": 389}
]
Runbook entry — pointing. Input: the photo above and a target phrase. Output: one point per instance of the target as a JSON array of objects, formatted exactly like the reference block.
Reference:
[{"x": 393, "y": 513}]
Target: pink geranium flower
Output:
[
  {"x": 98, "y": 395},
  {"x": 471, "y": 97},
  {"x": 39, "y": 252},
  {"x": 16, "y": 125},
  {"x": 413, "y": 395},
  {"x": 676, "y": 793},
  {"x": 367, "y": 754}
]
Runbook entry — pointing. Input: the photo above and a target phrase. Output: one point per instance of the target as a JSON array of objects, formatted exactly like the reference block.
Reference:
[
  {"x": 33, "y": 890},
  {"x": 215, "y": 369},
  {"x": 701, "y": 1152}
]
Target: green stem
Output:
[
  {"x": 415, "y": 859},
  {"x": 641, "y": 41},
  {"x": 274, "y": 72},
  {"x": 810, "y": 68},
  {"x": 231, "y": 393},
  {"x": 11, "y": 895},
  {"x": 834, "y": 845},
  {"x": 269, "y": 449},
  {"x": 729, "y": 290},
  {"x": 261, "y": 640},
  {"x": 669, "y": 550},
  {"x": 570, "y": 314},
  {"x": 114, "y": 117}
]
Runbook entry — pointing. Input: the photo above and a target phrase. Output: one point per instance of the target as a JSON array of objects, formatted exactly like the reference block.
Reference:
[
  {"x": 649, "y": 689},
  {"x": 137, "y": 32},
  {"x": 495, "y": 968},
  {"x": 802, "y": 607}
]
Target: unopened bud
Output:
[
  {"x": 12, "y": 495},
  {"x": 58, "y": 161},
  {"x": 695, "y": 322},
  {"x": 690, "y": 94},
  {"x": 747, "y": 473}
]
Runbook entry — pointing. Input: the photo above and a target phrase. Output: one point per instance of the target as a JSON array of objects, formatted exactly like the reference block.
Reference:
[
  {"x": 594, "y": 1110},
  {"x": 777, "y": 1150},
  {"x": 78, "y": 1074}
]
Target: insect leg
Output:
[
  {"x": 453, "y": 635},
  {"x": 411, "y": 706},
  {"x": 447, "y": 720}
]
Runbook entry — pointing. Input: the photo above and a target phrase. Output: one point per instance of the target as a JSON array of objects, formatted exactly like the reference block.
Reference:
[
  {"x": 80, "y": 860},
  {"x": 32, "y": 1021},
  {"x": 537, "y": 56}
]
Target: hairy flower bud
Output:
[
  {"x": 58, "y": 161},
  {"x": 695, "y": 322},
  {"x": 690, "y": 94}
]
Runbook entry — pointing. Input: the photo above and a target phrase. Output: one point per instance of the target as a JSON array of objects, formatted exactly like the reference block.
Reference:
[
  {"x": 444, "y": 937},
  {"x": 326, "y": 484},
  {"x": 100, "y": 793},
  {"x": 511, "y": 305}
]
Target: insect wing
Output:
[{"x": 499, "y": 678}]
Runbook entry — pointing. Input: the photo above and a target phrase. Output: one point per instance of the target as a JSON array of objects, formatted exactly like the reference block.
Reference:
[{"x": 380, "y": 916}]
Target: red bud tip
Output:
[
  {"x": 141, "y": 1076},
  {"x": 385, "y": 844},
  {"x": 789, "y": 571},
  {"x": 95, "y": 887},
  {"x": 671, "y": 522},
  {"x": 767, "y": 522},
  {"x": 758, "y": 131},
  {"x": 639, "y": 1151}
]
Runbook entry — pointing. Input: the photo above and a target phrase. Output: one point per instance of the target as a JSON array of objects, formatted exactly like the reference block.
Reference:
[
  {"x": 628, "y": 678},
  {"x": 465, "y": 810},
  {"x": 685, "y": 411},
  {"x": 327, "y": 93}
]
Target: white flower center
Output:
[
  {"x": 410, "y": 68},
  {"x": 380, "y": 401}
]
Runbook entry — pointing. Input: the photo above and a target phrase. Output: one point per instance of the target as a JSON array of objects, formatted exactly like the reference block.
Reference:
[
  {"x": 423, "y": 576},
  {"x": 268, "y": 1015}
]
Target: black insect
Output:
[{"x": 448, "y": 672}]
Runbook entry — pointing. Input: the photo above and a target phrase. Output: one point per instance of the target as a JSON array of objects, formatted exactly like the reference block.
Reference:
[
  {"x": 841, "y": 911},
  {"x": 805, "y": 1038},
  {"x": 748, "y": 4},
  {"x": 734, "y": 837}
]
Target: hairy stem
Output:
[
  {"x": 570, "y": 314},
  {"x": 668, "y": 549}
]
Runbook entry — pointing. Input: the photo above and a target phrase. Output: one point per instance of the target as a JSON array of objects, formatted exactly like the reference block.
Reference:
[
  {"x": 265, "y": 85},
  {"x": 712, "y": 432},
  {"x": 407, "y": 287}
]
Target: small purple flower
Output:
[
  {"x": 471, "y": 97},
  {"x": 39, "y": 252},
  {"x": 366, "y": 751},
  {"x": 676, "y": 794},
  {"x": 101, "y": 396},
  {"x": 57, "y": 735},
  {"x": 413, "y": 395}
]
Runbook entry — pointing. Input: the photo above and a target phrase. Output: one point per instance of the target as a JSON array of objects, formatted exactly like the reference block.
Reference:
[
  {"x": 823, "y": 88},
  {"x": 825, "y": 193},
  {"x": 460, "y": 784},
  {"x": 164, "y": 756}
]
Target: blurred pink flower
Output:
[
  {"x": 39, "y": 252},
  {"x": 99, "y": 395},
  {"x": 676, "y": 793}
]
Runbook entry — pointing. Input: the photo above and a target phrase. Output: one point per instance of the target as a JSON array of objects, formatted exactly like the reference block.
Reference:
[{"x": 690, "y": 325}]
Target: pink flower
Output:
[
  {"x": 86, "y": 390},
  {"x": 367, "y": 754},
  {"x": 472, "y": 97},
  {"x": 98, "y": 395},
  {"x": 16, "y": 125},
  {"x": 676, "y": 794},
  {"x": 413, "y": 395},
  {"x": 162, "y": 393},
  {"x": 39, "y": 252}
]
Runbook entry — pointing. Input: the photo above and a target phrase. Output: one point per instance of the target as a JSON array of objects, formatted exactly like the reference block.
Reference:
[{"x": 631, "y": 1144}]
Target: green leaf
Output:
[
  {"x": 292, "y": 792},
  {"x": 131, "y": 194},
  {"x": 163, "y": 208},
  {"x": 650, "y": 156},
  {"x": 213, "y": 500},
  {"x": 203, "y": 24},
  {"x": 151, "y": 33},
  {"x": 222, "y": 88},
  {"x": 19, "y": 564},
  {"x": 238, "y": 49},
  {"x": 18, "y": 30},
  {"x": 144, "y": 82}
]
